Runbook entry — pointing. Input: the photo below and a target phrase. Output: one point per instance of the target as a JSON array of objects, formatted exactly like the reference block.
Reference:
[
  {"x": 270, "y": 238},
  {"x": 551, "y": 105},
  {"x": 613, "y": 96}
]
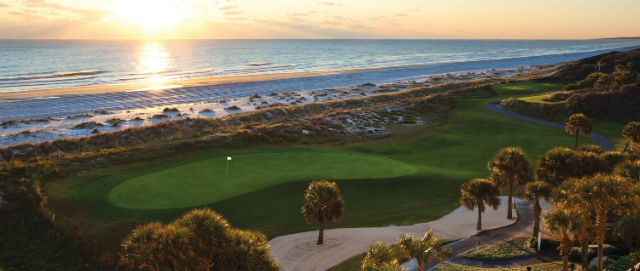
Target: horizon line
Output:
[{"x": 177, "y": 39}]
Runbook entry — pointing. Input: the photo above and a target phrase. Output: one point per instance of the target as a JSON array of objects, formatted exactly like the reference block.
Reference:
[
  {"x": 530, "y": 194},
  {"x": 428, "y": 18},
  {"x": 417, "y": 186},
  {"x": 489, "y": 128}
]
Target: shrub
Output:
[
  {"x": 199, "y": 240},
  {"x": 170, "y": 110},
  {"x": 115, "y": 122},
  {"x": 88, "y": 125},
  {"x": 625, "y": 263},
  {"x": 608, "y": 250},
  {"x": 591, "y": 148},
  {"x": 159, "y": 116},
  {"x": 587, "y": 82}
]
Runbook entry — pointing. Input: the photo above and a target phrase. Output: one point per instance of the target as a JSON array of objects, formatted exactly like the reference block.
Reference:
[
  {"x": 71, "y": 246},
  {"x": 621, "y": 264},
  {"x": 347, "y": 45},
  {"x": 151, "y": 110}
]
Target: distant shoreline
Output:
[{"x": 15, "y": 95}]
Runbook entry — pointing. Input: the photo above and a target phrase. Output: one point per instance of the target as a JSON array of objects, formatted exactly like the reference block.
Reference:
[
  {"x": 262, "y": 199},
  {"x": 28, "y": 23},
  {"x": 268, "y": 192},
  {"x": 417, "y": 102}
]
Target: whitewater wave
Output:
[{"x": 56, "y": 74}]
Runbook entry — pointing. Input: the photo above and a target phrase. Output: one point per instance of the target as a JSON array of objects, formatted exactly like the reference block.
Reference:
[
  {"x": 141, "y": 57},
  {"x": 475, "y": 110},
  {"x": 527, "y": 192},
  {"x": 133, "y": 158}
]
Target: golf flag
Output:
[{"x": 228, "y": 158}]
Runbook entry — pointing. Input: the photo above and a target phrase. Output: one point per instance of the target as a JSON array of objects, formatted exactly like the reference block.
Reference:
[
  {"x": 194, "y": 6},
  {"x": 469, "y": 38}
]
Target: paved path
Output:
[
  {"x": 522, "y": 226},
  {"x": 598, "y": 139},
  {"x": 299, "y": 251}
]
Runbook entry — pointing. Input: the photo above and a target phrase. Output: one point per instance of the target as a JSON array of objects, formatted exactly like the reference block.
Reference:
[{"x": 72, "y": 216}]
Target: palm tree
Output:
[
  {"x": 578, "y": 124},
  {"x": 380, "y": 257},
  {"x": 510, "y": 167},
  {"x": 424, "y": 250},
  {"x": 632, "y": 132},
  {"x": 323, "y": 203},
  {"x": 601, "y": 195},
  {"x": 478, "y": 192},
  {"x": 627, "y": 227},
  {"x": 590, "y": 164},
  {"x": 561, "y": 198},
  {"x": 557, "y": 165},
  {"x": 534, "y": 192},
  {"x": 629, "y": 169},
  {"x": 563, "y": 223}
]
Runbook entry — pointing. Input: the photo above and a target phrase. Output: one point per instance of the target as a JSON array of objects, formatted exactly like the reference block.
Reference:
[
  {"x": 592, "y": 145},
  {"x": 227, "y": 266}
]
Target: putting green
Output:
[{"x": 204, "y": 181}]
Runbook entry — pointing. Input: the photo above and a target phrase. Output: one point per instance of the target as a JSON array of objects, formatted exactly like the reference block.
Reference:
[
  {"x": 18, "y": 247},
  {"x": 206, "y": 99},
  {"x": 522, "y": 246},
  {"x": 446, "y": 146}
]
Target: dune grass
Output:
[{"x": 426, "y": 166}]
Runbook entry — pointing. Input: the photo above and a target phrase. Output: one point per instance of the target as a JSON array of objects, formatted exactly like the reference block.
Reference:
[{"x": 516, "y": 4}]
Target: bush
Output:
[
  {"x": 587, "y": 82},
  {"x": 199, "y": 240},
  {"x": 608, "y": 250},
  {"x": 170, "y": 110},
  {"x": 591, "y": 148},
  {"x": 625, "y": 263}
]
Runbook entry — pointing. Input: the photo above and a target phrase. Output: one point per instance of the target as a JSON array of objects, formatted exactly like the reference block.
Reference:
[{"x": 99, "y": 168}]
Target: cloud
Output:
[
  {"x": 232, "y": 13},
  {"x": 86, "y": 14},
  {"x": 297, "y": 14},
  {"x": 228, "y": 7},
  {"x": 334, "y": 4},
  {"x": 325, "y": 29},
  {"x": 3, "y": 5},
  {"x": 401, "y": 14}
]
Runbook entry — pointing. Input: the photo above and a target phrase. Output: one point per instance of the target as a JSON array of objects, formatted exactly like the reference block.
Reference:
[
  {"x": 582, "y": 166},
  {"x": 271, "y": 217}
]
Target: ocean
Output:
[{"x": 44, "y": 64}]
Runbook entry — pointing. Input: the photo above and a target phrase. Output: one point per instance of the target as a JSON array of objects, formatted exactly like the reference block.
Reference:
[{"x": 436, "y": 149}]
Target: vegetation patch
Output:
[
  {"x": 502, "y": 250},
  {"x": 554, "y": 266}
]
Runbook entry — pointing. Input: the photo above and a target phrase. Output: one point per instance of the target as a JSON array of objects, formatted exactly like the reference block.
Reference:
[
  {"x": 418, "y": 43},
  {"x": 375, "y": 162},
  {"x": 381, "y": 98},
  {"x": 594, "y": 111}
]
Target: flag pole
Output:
[{"x": 226, "y": 173}]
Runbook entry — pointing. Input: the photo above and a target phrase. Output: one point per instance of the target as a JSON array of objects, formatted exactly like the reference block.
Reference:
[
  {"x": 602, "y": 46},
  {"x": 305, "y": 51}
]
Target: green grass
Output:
[
  {"x": 205, "y": 181},
  {"x": 613, "y": 130},
  {"x": 606, "y": 127},
  {"x": 426, "y": 166},
  {"x": 554, "y": 266},
  {"x": 502, "y": 250}
]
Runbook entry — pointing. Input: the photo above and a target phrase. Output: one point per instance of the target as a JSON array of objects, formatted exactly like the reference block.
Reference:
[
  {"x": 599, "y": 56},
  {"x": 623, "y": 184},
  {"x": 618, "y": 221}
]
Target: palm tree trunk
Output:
[
  {"x": 565, "y": 250},
  {"x": 420, "y": 265},
  {"x": 321, "y": 234},
  {"x": 536, "y": 218},
  {"x": 584, "y": 254},
  {"x": 510, "y": 209},
  {"x": 479, "y": 227},
  {"x": 577, "y": 136},
  {"x": 600, "y": 256}
]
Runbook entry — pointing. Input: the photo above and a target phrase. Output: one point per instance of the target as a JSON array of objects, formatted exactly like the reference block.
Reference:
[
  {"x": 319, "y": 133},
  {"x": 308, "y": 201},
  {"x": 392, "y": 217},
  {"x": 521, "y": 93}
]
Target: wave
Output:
[
  {"x": 259, "y": 63},
  {"x": 56, "y": 74}
]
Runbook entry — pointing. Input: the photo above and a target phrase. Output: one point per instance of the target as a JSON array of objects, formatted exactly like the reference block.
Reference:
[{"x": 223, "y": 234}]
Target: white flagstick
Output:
[{"x": 227, "y": 170}]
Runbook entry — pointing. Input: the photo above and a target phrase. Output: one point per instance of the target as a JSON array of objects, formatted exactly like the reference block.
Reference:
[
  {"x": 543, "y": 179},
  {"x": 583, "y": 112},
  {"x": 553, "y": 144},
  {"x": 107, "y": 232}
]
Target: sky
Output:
[{"x": 254, "y": 19}]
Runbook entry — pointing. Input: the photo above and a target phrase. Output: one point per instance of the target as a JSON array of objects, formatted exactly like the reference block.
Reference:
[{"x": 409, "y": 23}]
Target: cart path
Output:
[{"x": 598, "y": 139}]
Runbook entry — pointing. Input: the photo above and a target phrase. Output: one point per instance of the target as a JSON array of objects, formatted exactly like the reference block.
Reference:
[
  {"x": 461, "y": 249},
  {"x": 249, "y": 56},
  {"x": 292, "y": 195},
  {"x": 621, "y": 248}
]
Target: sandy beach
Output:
[{"x": 159, "y": 86}]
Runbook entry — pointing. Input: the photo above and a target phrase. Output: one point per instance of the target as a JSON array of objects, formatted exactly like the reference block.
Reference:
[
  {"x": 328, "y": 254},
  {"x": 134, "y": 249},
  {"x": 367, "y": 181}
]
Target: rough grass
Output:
[
  {"x": 554, "y": 266},
  {"x": 444, "y": 156},
  {"x": 502, "y": 250}
]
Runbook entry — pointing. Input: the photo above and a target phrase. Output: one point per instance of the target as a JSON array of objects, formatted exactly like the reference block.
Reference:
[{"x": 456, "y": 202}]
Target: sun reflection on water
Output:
[{"x": 154, "y": 61}]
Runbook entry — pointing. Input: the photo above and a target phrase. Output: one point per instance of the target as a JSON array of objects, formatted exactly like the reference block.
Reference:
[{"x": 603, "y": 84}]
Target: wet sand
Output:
[{"x": 193, "y": 82}]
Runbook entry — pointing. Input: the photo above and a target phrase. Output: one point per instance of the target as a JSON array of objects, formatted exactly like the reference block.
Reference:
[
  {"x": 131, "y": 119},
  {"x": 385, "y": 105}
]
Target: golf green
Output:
[{"x": 206, "y": 181}]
